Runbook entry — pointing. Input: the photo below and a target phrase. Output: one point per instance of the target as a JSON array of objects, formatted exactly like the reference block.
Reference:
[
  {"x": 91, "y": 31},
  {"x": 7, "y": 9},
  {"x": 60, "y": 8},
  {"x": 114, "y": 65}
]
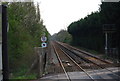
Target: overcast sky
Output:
[{"x": 58, "y": 14}]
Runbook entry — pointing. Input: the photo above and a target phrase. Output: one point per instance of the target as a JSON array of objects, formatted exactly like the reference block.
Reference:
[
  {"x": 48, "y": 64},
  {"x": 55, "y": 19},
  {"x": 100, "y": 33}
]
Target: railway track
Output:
[
  {"x": 85, "y": 55},
  {"x": 71, "y": 62},
  {"x": 82, "y": 53}
]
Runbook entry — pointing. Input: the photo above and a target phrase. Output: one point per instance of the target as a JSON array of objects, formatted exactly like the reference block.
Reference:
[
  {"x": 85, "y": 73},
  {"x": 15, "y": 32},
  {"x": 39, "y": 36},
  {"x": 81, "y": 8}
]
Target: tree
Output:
[
  {"x": 88, "y": 33},
  {"x": 25, "y": 29},
  {"x": 62, "y": 36}
]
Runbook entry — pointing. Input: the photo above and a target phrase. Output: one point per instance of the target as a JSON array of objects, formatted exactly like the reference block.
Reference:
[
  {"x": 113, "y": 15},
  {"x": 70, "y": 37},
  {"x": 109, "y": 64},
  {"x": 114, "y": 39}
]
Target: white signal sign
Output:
[
  {"x": 44, "y": 45},
  {"x": 43, "y": 38}
]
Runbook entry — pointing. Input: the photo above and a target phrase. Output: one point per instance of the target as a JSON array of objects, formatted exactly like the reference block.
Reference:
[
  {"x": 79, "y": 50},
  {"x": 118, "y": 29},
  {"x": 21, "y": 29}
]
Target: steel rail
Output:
[
  {"x": 78, "y": 65},
  {"x": 83, "y": 69},
  {"x": 61, "y": 64},
  {"x": 99, "y": 65},
  {"x": 86, "y": 53}
]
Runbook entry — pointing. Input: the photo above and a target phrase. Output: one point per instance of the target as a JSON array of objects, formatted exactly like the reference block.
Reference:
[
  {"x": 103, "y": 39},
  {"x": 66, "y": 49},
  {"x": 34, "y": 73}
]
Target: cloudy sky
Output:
[{"x": 58, "y": 14}]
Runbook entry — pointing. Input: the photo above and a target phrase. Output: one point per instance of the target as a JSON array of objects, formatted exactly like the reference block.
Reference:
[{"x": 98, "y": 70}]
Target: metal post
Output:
[
  {"x": 106, "y": 43},
  {"x": 1, "y": 65},
  {"x": 39, "y": 62},
  {"x": 4, "y": 44},
  {"x": 42, "y": 53}
]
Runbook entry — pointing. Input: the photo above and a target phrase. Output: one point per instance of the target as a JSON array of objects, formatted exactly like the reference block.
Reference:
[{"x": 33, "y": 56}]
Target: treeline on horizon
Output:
[
  {"x": 62, "y": 36},
  {"x": 88, "y": 32},
  {"x": 25, "y": 30}
]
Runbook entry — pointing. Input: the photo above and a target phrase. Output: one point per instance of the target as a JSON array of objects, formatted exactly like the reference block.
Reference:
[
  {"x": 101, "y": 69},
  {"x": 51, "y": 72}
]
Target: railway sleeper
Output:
[{"x": 75, "y": 56}]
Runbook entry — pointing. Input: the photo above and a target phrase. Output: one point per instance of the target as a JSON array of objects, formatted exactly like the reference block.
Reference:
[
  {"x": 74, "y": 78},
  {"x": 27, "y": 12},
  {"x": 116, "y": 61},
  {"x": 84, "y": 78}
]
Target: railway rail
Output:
[
  {"x": 86, "y": 56},
  {"x": 75, "y": 66},
  {"x": 72, "y": 60}
]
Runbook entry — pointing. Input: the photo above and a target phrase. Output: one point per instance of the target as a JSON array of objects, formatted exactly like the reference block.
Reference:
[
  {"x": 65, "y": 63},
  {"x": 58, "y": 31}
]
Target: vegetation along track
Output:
[{"x": 92, "y": 61}]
